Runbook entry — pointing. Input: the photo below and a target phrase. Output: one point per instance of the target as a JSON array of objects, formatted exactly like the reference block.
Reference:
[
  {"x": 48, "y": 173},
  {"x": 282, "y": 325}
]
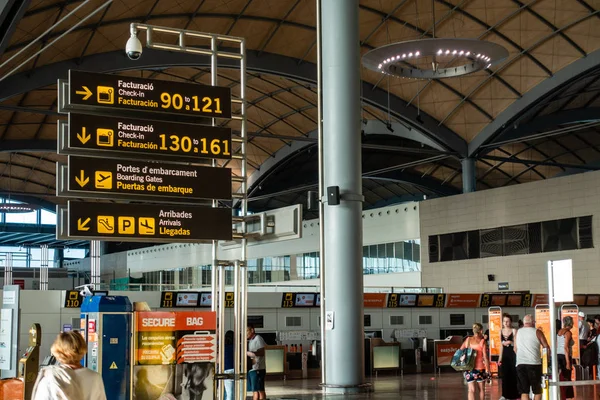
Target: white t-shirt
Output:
[
  {"x": 256, "y": 343},
  {"x": 64, "y": 383}
]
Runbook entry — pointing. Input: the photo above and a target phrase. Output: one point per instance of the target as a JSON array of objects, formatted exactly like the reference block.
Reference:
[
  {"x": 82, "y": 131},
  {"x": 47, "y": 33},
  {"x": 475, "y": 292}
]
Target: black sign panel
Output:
[
  {"x": 106, "y": 221},
  {"x": 113, "y": 92},
  {"x": 166, "y": 299},
  {"x": 73, "y": 299},
  {"x": 287, "y": 300},
  {"x": 111, "y": 178},
  {"x": 229, "y": 300},
  {"x": 138, "y": 138}
]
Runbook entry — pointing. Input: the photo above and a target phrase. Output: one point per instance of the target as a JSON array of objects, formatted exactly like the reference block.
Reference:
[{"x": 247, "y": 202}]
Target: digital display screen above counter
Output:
[
  {"x": 185, "y": 299},
  {"x": 301, "y": 300}
]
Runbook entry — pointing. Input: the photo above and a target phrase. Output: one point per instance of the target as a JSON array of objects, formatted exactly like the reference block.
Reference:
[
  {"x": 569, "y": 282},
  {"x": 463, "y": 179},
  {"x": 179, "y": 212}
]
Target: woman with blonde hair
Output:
[
  {"x": 69, "y": 380},
  {"x": 564, "y": 352},
  {"x": 481, "y": 369}
]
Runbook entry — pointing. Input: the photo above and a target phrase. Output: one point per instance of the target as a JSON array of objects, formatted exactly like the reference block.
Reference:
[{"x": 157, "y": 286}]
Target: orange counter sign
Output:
[
  {"x": 444, "y": 353},
  {"x": 495, "y": 326},
  {"x": 542, "y": 320},
  {"x": 464, "y": 300},
  {"x": 374, "y": 300}
]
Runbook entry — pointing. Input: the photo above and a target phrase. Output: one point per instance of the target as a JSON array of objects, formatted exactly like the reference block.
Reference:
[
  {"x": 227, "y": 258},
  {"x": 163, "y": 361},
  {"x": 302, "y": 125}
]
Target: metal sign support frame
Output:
[{"x": 219, "y": 267}]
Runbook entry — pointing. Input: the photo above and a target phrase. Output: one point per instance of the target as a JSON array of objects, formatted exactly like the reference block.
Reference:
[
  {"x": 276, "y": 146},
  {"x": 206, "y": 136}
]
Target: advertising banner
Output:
[
  {"x": 174, "y": 355},
  {"x": 542, "y": 320},
  {"x": 571, "y": 310},
  {"x": 444, "y": 353},
  {"x": 495, "y": 326}
]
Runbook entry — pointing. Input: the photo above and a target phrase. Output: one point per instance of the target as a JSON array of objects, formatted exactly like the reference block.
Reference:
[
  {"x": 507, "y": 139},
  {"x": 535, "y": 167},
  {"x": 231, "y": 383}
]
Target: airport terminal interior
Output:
[{"x": 171, "y": 170}]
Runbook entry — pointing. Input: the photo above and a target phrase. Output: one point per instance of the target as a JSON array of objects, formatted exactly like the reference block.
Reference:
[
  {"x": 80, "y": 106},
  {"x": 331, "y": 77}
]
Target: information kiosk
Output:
[{"x": 106, "y": 324}]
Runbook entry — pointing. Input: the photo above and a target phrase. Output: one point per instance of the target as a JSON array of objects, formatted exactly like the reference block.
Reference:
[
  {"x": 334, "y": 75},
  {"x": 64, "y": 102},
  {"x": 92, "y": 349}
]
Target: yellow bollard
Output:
[{"x": 545, "y": 380}]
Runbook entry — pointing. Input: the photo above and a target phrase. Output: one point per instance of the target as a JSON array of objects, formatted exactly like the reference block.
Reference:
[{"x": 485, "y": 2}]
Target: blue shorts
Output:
[{"x": 256, "y": 380}]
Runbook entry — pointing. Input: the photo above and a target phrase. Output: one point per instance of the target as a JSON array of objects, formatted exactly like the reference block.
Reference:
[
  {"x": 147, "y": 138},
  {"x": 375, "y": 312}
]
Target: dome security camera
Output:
[{"x": 133, "y": 48}]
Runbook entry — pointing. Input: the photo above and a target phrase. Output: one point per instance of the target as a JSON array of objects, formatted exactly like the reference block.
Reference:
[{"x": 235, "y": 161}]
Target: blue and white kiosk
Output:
[{"x": 106, "y": 323}]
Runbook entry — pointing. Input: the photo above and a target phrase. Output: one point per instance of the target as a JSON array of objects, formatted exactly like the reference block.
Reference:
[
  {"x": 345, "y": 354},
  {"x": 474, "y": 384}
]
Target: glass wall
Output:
[{"x": 377, "y": 259}]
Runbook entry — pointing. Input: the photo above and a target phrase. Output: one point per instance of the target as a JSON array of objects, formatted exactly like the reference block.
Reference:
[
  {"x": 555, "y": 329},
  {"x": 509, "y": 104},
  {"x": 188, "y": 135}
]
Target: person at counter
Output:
[
  {"x": 256, "y": 375},
  {"x": 529, "y": 359},
  {"x": 508, "y": 359},
  {"x": 481, "y": 371}
]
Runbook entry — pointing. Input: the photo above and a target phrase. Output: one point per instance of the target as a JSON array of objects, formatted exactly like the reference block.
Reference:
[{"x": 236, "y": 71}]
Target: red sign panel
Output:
[
  {"x": 176, "y": 321},
  {"x": 464, "y": 300},
  {"x": 539, "y": 299},
  {"x": 374, "y": 300},
  {"x": 444, "y": 353}
]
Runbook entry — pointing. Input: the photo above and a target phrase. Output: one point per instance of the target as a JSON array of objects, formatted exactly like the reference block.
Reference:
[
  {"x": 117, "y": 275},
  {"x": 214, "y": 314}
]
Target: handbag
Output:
[{"x": 464, "y": 359}]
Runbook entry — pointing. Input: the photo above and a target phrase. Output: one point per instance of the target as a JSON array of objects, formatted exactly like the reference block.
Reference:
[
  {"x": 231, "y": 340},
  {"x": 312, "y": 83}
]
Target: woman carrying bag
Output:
[{"x": 477, "y": 376}]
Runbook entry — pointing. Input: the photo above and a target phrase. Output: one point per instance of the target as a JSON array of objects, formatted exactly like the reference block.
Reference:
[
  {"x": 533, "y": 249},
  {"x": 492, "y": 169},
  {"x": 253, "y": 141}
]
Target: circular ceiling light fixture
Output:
[
  {"x": 14, "y": 208},
  {"x": 434, "y": 58}
]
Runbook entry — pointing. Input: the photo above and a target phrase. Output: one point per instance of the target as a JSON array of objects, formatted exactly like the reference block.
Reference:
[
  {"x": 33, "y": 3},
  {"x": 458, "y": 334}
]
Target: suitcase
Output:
[{"x": 11, "y": 389}]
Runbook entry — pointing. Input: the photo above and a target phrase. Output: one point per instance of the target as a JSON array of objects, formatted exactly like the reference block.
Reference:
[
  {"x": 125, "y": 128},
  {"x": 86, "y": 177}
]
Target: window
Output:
[
  {"x": 367, "y": 320},
  {"x": 485, "y": 319},
  {"x": 48, "y": 218},
  {"x": 425, "y": 320},
  {"x": 530, "y": 238},
  {"x": 258, "y": 321},
  {"x": 457, "y": 319},
  {"x": 396, "y": 320},
  {"x": 293, "y": 321}
]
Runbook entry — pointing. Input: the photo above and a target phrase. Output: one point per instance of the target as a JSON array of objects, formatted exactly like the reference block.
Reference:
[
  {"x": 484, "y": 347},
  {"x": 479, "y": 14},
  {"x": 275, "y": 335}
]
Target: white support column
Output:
[{"x": 44, "y": 267}]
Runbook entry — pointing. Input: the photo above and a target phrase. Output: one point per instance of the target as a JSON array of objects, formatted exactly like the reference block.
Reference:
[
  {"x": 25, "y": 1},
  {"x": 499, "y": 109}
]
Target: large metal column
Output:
[
  {"x": 468, "y": 175},
  {"x": 344, "y": 369}
]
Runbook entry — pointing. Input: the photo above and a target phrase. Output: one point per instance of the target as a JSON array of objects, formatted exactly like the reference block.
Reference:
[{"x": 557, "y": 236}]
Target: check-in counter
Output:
[
  {"x": 291, "y": 365},
  {"x": 384, "y": 356},
  {"x": 444, "y": 351},
  {"x": 276, "y": 360}
]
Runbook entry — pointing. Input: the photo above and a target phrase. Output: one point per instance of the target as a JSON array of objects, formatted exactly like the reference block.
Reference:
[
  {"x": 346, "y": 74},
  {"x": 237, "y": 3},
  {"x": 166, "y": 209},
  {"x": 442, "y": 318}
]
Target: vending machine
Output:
[{"x": 106, "y": 325}]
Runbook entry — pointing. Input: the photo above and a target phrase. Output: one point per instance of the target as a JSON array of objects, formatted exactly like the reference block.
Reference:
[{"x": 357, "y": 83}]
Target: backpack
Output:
[{"x": 57, "y": 382}]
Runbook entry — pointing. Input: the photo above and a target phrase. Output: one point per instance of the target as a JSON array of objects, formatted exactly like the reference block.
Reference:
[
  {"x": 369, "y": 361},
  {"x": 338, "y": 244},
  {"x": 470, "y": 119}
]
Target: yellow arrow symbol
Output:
[
  {"x": 85, "y": 92},
  {"x": 83, "y": 136},
  {"x": 81, "y": 179},
  {"x": 82, "y": 226}
]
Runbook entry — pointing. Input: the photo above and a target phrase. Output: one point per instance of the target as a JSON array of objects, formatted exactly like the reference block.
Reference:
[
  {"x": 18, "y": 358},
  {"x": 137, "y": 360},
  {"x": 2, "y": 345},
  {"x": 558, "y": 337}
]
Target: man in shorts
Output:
[
  {"x": 529, "y": 359},
  {"x": 256, "y": 352}
]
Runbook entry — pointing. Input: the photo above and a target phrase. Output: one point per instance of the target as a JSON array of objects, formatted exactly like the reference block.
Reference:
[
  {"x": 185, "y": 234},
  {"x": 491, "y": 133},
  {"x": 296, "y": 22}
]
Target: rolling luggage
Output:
[{"x": 11, "y": 389}]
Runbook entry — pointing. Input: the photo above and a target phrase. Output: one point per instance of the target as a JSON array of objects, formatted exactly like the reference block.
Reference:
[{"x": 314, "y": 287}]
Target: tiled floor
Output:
[{"x": 422, "y": 387}]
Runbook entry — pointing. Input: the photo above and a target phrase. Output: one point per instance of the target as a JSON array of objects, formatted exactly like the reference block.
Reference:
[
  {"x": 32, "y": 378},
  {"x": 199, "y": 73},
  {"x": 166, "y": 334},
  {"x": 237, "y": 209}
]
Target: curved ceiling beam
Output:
[
  {"x": 11, "y": 13},
  {"x": 534, "y": 96},
  {"x": 28, "y": 145},
  {"x": 542, "y": 123},
  {"x": 266, "y": 63}
]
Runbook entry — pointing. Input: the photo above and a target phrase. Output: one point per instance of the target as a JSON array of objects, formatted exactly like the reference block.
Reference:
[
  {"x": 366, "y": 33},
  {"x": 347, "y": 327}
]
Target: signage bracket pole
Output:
[{"x": 552, "y": 309}]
